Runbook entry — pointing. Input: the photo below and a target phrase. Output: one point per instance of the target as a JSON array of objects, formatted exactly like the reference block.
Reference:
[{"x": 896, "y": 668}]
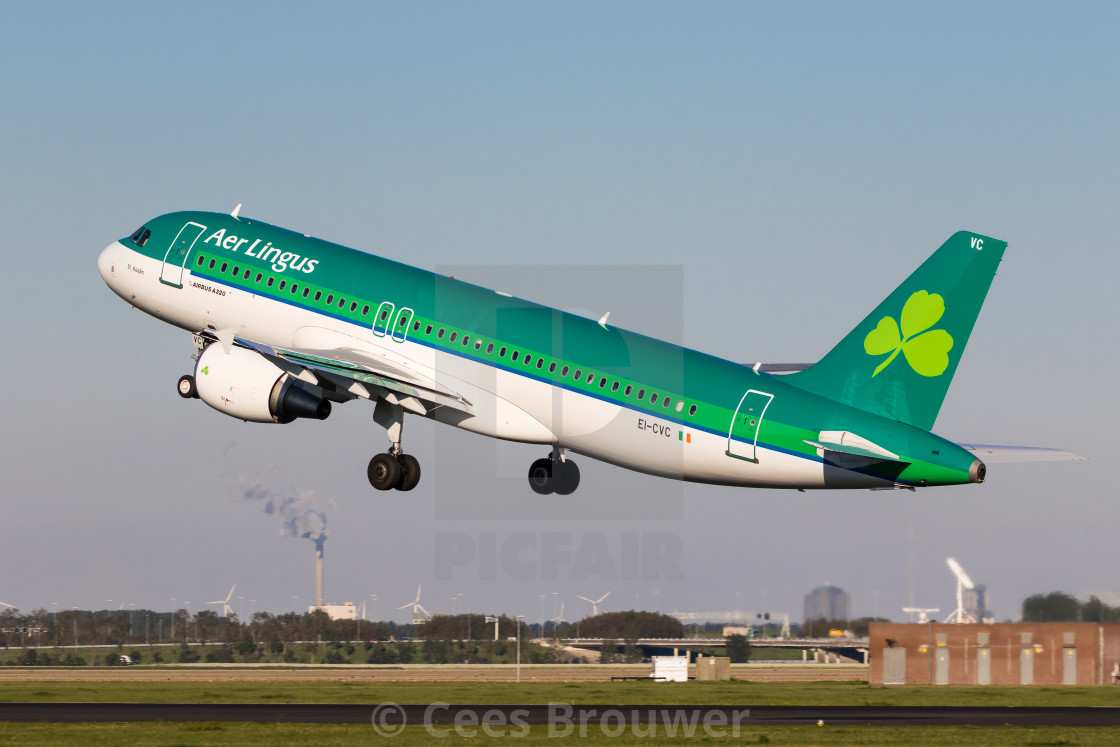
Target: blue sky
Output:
[{"x": 748, "y": 178}]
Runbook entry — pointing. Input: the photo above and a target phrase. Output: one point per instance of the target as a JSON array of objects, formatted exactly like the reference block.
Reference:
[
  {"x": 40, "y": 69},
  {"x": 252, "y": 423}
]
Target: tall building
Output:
[
  {"x": 827, "y": 603},
  {"x": 975, "y": 603}
]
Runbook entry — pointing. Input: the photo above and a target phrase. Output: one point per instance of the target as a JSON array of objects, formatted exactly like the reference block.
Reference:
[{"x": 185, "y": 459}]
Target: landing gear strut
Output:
[
  {"x": 554, "y": 474},
  {"x": 394, "y": 469}
]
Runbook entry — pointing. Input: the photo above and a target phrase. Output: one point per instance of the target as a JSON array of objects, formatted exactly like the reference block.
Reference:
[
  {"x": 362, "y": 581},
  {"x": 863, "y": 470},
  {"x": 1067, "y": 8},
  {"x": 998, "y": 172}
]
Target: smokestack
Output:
[{"x": 319, "y": 571}]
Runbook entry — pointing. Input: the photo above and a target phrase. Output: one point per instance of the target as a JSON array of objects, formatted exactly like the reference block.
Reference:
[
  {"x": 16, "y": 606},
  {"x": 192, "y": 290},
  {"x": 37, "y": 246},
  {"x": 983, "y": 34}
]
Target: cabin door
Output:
[
  {"x": 742, "y": 438},
  {"x": 178, "y": 253}
]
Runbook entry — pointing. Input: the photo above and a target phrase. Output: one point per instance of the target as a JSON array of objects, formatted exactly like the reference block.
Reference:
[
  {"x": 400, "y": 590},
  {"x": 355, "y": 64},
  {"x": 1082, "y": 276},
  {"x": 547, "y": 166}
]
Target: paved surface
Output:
[
  {"x": 448, "y": 673},
  {"x": 561, "y": 713}
]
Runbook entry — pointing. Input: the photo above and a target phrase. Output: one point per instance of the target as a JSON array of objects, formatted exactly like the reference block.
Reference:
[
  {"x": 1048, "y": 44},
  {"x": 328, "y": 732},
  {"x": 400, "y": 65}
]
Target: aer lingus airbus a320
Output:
[{"x": 286, "y": 325}]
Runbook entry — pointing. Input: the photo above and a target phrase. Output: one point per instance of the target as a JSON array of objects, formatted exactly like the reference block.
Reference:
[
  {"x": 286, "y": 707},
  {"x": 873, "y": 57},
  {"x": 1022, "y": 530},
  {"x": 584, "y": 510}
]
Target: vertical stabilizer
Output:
[{"x": 898, "y": 362}]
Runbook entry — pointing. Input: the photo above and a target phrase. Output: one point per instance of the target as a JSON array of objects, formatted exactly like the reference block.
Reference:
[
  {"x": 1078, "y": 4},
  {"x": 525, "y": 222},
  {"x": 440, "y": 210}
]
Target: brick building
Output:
[{"x": 998, "y": 654}]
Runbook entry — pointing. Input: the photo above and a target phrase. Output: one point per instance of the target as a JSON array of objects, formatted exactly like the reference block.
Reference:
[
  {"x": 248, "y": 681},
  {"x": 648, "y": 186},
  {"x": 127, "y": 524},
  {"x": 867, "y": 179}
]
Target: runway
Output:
[{"x": 391, "y": 715}]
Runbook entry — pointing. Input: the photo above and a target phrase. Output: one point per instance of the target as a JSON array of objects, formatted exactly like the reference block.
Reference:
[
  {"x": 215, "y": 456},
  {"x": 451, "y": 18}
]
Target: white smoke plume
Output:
[{"x": 297, "y": 509}]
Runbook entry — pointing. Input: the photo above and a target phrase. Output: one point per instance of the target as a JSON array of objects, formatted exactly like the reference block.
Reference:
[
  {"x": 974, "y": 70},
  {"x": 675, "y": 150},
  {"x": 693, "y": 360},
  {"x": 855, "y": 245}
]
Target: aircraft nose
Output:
[{"x": 106, "y": 264}]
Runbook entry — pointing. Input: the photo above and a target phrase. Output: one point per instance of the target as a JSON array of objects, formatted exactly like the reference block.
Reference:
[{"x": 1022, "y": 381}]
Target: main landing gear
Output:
[
  {"x": 394, "y": 469},
  {"x": 555, "y": 474}
]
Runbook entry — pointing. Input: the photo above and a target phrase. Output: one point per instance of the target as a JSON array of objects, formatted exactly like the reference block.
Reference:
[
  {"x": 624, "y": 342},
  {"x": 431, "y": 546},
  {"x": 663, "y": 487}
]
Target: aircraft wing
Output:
[
  {"x": 989, "y": 453},
  {"x": 352, "y": 371}
]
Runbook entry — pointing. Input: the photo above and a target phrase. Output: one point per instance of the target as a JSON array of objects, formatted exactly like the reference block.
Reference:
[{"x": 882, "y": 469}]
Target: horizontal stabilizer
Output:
[
  {"x": 996, "y": 454},
  {"x": 778, "y": 368}
]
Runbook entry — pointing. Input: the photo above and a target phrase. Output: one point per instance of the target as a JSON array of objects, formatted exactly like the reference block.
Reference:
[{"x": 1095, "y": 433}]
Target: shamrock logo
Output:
[
  {"x": 206, "y": 370},
  {"x": 926, "y": 350}
]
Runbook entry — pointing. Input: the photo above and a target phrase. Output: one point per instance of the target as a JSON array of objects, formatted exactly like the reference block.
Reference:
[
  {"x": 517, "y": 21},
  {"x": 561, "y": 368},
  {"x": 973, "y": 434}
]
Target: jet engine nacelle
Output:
[{"x": 244, "y": 384}]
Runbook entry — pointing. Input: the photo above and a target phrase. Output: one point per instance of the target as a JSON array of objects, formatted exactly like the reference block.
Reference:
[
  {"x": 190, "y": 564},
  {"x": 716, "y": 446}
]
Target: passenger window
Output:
[
  {"x": 602, "y": 382},
  {"x": 513, "y": 355},
  {"x": 466, "y": 340},
  {"x": 502, "y": 352},
  {"x": 416, "y": 326},
  {"x": 564, "y": 371},
  {"x": 489, "y": 348},
  {"x": 341, "y": 302},
  {"x": 590, "y": 377},
  {"x": 271, "y": 280},
  {"x": 224, "y": 266},
  {"x": 452, "y": 337},
  {"x": 428, "y": 331},
  {"x": 306, "y": 291},
  {"x": 318, "y": 295},
  {"x": 330, "y": 299},
  {"x": 353, "y": 306},
  {"x": 680, "y": 405},
  {"x": 641, "y": 394},
  {"x": 201, "y": 259},
  {"x": 212, "y": 263},
  {"x": 628, "y": 389},
  {"x": 552, "y": 367},
  {"x": 248, "y": 272},
  {"x": 384, "y": 314},
  {"x": 540, "y": 363},
  {"x": 236, "y": 270},
  {"x": 528, "y": 359},
  {"x": 295, "y": 287},
  {"x": 365, "y": 310},
  {"x": 282, "y": 284},
  {"x": 579, "y": 375},
  {"x": 653, "y": 398},
  {"x": 478, "y": 344},
  {"x": 614, "y": 387},
  {"x": 259, "y": 276},
  {"x": 692, "y": 410},
  {"x": 439, "y": 335},
  {"x": 665, "y": 402}
]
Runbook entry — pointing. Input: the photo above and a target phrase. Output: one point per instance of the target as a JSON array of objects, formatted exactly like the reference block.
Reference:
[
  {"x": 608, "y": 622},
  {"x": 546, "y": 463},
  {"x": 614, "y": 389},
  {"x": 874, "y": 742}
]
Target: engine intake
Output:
[{"x": 246, "y": 385}]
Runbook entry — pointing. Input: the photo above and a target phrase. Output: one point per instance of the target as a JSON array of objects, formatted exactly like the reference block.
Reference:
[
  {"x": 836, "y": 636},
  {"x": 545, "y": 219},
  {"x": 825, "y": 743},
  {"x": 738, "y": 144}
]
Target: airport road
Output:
[{"x": 561, "y": 714}]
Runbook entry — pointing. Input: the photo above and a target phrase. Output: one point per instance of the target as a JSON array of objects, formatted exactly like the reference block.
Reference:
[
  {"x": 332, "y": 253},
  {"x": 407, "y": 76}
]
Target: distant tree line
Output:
[{"x": 1057, "y": 606}]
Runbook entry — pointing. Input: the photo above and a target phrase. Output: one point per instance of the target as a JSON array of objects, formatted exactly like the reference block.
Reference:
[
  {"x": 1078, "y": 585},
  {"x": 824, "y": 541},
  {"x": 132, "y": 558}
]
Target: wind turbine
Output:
[
  {"x": 595, "y": 603},
  {"x": 963, "y": 582},
  {"x": 556, "y": 620},
  {"x": 227, "y": 611},
  {"x": 419, "y": 614}
]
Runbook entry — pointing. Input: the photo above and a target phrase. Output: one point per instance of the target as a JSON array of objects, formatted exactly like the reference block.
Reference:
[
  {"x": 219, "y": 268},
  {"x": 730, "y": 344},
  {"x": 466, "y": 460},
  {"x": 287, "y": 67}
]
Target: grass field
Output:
[
  {"x": 327, "y": 736},
  {"x": 582, "y": 693}
]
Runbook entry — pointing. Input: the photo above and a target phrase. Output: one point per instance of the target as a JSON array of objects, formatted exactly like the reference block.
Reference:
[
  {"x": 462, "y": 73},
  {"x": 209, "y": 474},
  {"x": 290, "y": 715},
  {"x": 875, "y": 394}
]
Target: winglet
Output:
[{"x": 236, "y": 210}]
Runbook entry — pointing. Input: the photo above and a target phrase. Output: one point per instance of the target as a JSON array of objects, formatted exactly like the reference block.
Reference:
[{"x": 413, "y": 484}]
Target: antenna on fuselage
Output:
[{"x": 236, "y": 210}]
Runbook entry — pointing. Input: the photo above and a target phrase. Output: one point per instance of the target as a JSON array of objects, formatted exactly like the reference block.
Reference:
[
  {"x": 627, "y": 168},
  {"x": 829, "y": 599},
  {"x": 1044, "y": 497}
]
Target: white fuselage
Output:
[{"x": 504, "y": 404}]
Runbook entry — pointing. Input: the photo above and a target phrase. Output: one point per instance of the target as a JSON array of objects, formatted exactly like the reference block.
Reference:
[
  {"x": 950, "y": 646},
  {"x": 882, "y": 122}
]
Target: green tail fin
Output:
[{"x": 898, "y": 362}]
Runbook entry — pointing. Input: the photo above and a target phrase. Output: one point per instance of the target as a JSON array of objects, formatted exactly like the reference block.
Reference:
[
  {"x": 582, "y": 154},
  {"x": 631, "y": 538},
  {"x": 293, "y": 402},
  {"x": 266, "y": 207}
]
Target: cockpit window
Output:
[
  {"x": 144, "y": 237},
  {"x": 136, "y": 235}
]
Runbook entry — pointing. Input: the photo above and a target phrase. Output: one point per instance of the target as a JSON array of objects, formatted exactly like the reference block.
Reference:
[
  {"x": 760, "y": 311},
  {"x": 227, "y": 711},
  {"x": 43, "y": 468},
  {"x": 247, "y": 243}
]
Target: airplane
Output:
[{"x": 286, "y": 325}]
